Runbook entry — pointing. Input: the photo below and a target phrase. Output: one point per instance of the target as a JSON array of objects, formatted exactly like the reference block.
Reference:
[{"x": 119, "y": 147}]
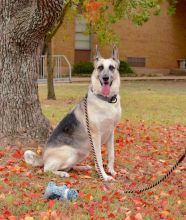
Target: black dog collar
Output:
[{"x": 112, "y": 99}]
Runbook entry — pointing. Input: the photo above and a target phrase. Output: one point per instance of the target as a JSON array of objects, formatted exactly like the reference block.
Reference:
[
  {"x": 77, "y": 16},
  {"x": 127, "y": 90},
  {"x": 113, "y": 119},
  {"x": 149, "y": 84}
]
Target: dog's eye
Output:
[
  {"x": 100, "y": 68},
  {"x": 111, "y": 67}
]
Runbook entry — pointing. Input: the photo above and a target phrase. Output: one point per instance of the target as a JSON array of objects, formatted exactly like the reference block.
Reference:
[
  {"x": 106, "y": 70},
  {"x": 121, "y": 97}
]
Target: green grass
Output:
[
  {"x": 147, "y": 144},
  {"x": 153, "y": 102}
]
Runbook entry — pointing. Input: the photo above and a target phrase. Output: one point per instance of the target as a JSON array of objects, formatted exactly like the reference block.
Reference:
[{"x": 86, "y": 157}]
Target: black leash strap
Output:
[
  {"x": 140, "y": 190},
  {"x": 163, "y": 178},
  {"x": 90, "y": 139}
]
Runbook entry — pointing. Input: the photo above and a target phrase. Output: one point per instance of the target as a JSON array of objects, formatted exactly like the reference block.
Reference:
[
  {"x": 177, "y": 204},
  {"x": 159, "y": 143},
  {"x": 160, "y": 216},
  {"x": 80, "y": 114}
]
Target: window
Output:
[
  {"x": 136, "y": 61},
  {"x": 82, "y": 40}
]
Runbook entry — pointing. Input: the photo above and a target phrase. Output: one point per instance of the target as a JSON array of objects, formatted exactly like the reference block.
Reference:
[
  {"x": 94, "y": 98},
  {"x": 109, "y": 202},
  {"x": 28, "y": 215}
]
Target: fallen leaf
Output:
[
  {"x": 29, "y": 218},
  {"x": 138, "y": 216},
  {"x": 183, "y": 195},
  {"x": 51, "y": 204}
]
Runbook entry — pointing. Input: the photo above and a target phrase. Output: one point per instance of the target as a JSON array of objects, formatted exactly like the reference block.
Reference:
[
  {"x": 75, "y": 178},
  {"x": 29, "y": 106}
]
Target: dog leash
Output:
[
  {"x": 90, "y": 139},
  {"x": 130, "y": 191}
]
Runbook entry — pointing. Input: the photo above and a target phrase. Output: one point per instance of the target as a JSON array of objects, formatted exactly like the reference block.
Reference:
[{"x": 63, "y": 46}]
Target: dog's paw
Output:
[
  {"x": 29, "y": 156},
  {"x": 112, "y": 171},
  {"x": 88, "y": 167},
  {"x": 108, "y": 178},
  {"x": 64, "y": 174},
  {"x": 61, "y": 173}
]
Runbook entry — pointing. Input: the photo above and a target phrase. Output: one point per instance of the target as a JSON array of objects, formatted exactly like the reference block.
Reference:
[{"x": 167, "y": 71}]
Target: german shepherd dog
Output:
[{"x": 69, "y": 144}]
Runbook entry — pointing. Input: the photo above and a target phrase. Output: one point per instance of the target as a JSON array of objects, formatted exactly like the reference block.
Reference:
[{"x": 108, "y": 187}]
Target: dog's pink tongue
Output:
[{"x": 105, "y": 90}]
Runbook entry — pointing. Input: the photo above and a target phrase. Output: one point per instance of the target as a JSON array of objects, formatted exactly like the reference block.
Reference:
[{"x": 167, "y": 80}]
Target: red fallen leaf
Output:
[
  {"x": 119, "y": 140},
  {"x": 183, "y": 195},
  {"x": 117, "y": 195},
  {"x": 91, "y": 209},
  {"x": 30, "y": 218},
  {"x": 75, "y": 205},
  {"x": 25, "y": 183},
  {"x": 138, "y": 216},
  {"x": 34, "y": 195},
  {"x": 111, "y": 215},
  {"x": 105, "y": 188},
  {"x": 89, "y": 197},
  {"x": 81, "y": 195},
  {"x": 104, "y": 198},
  {"x": 164, "y": 203},
  {"x": 68, "y": 183},
  {"x": 18, "y": 154},
  {"x": 138, "y": 201},
  {"x": 12, "y": 217},
  {"x": 29, "y": 175},
  {"x": 75, "y": 176},
  {"x": 171, "y": 191},
  {"x": 16, "y": 169},
  {"x": 10, "y": 162},
  {"x": 1, "y": 154},
  {"x": 6, "y": 213},
  {"x": 164, "y": 214},
  {"x": 2, "y": 217},
  {"x": 5, "y": 180},
  {"x": 128, "y": 218},
  {"x": 51, "y": 204},
  {"x": 55, "y": 216},
  {"x": 2, "y": 168},
  {"x": 24, "y": 165},
  {"x": 7, "y": 174},
  {"x": 44, "y": 216}
]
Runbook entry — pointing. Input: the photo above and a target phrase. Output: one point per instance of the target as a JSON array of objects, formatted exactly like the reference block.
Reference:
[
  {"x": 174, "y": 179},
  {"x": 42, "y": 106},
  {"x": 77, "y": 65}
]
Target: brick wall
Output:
[
  {"x": 63, "y": 41},
  {"x": 162, "y": 40}
]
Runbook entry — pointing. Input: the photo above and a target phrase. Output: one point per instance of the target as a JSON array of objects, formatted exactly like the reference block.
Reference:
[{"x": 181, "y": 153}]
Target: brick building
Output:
[{"x": 157, "y": 45}]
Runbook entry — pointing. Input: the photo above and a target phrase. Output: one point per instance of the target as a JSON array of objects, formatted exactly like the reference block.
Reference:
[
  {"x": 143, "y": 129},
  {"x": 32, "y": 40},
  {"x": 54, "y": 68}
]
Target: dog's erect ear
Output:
[
  {"x": 115, "y": 55},
  {"x": 98, "y": 55}
]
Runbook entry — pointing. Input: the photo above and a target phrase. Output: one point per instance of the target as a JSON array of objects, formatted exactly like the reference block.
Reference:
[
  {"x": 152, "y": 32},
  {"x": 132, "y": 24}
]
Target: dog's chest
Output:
[{"x": 105, "y": 115}]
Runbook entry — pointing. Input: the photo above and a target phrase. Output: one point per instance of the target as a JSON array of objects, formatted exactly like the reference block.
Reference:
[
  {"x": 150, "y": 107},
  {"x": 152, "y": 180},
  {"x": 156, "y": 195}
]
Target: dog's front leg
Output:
[
  {"x": 110, "y": 148},
  {"x": 97, "y": 148}
]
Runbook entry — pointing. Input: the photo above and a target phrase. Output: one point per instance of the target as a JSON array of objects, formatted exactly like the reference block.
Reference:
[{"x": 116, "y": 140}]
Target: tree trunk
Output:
[
  {"x": 23, "y": 25},
  {"x": 50, "y": 71}
]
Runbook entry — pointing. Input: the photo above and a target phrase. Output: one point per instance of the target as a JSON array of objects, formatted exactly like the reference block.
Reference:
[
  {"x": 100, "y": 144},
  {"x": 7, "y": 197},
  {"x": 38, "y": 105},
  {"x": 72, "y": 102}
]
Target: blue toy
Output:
[{"x": 60, "y": 192}]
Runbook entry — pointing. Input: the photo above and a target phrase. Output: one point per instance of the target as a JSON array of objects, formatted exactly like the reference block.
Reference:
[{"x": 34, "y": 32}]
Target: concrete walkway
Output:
[{"x": 145, "y": 78}]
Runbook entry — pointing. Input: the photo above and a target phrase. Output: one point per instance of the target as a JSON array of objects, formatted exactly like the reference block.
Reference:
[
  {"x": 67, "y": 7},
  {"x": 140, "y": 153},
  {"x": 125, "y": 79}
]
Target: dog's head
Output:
[{"x": 105, "y": 79}]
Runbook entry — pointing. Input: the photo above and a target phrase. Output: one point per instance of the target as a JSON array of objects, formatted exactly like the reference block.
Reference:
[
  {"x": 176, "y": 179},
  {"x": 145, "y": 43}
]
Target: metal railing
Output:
[{"x": 61, "y": 67}]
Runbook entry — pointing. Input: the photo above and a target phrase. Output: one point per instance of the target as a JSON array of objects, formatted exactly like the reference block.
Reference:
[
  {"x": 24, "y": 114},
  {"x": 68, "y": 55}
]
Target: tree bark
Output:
[{"x": 23, "y": 25}]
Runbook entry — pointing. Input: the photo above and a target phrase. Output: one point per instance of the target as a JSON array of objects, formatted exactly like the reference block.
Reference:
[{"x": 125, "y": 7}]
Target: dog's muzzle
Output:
[
  {"x": 105, "y": 80},
  {"x": 106, "y": 85}
]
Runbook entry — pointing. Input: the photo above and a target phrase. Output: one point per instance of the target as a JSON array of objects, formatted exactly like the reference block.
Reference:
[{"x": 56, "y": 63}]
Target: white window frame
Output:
[{"x": 82, "y": 39}]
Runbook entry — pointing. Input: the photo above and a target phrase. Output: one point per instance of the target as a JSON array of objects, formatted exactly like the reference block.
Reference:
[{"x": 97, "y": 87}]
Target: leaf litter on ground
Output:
[{"x": 143, "y": 154}]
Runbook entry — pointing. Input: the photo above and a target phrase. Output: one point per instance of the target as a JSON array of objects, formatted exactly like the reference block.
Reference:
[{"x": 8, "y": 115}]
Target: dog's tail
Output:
[{"x": 33, "y": 159}]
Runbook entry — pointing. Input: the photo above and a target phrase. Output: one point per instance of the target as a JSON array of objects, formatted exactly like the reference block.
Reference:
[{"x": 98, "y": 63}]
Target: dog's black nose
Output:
[{"x": 105, "y": 78}]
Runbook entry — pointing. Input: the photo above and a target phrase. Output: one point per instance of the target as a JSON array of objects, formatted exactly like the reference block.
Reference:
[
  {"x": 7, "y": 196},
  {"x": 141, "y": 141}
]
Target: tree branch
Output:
[
  {"x": 50, "y": 11},
  {"x": 55, "y": 28}
]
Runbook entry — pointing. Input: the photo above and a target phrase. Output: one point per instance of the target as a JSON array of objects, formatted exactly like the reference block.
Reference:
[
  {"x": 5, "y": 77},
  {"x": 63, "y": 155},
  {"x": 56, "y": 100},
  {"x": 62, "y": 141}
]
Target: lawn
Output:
[
  {"x": 157, "y": 102},
  {"x": 149, "y": 139}
]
